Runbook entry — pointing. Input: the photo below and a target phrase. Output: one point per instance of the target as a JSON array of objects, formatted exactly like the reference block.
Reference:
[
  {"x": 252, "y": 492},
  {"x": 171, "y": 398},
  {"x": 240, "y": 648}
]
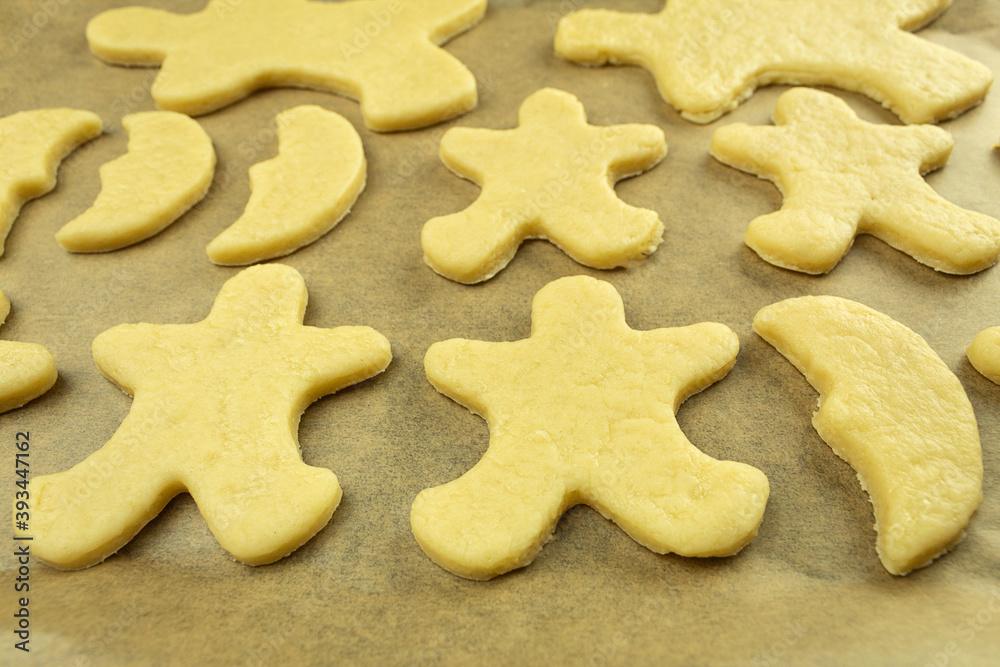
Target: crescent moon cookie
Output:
[
  {"x": 32, "y": 144},
  {"x": 984, "y": 353},
  {"x": 709, "y": 55},
  {"x": 216, "y": 411},
  {"x": 841, "y": 176},
  {"x": 168, "y": 169},
  {"x": 891, "y": 408},
  {"x": 384, "y": 53},
  {"x": 552, "y": 177},
  {"x": 583, "y": 412},
  {"x": 27, "y": 370},
  {"x": 300, "y": 195}
]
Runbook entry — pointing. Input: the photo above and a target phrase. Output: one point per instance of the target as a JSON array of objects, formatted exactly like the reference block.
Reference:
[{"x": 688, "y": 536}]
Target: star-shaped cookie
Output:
[
  {"x": 842, "y": 176},
  {"x": 27, "y": 370},
  {"x": 709, "y": 55},
  {"x": 583, "y": 412},
  {"x": 382, "y": 52},
  {"x": 215, "y": 413},
  {"x": 552, "y": 177},
  {"x": 32, "y": 144}
]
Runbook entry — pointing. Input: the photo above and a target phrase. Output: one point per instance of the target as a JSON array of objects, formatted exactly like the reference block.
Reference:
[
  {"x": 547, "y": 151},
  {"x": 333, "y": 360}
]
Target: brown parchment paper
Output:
[{"x": 808, "y": 590}]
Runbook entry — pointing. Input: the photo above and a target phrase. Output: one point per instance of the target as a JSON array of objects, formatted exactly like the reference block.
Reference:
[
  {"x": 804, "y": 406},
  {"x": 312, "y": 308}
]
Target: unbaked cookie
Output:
[
  {"x": 984, "y": 353},
  {"x": 215, "y": 413},
  {"x": 27, "y": 370},
  {"x": 32, "y": 144},
  {"x": 841, "y": 176},
  {"x": 551, "y": 178},
  {"x": 709, "y": 55},
  {"x": 168, "y": 169},
  {"x": 299, "y": 195},
  {"x": 583, "y": 412},
  {"x": 891, "y": 408},
  {"x": 381, "y": 52}
]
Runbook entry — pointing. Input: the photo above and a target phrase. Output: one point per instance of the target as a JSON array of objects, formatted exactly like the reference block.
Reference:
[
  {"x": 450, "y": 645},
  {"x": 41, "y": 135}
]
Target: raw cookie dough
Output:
[
  {"x": 27, "y": 370},
  {"x": 168, "y": 169},
  {"x": 709, "y": 55},
  {"x": 32, "y": 144},
  {"x": 381, "y": 52},
  {"x": 583, "y": 412},
  {"x": 984, "y": 353},
  {"x": 842, "y": 176},
  {"x": 552, "y": 177},
  {"x": 890, "y": 408},
  {"x": 299, "y": 195},
  {"x": 216, "y": 412}
]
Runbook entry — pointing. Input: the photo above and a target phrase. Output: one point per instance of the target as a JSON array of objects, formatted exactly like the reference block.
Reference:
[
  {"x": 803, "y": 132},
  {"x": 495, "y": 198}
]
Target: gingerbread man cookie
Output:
[
  {"x": 215, "y": 413},
  {"x": 382, "y": 52},
  {"x": 709, "y": 55},
  {"x": 842, "y": 176},
  {"x": 299, "y": 195},
  {"x": 27, "y": 370},
  {"x": 583, "y": 412},
  {"x": 32, "y": 144},
  {"x": 984, "y": 353},
  {"x": 552, "y": 178},
  {"x": 168, "y": 169},
  {"x": 891, "y": 408}
]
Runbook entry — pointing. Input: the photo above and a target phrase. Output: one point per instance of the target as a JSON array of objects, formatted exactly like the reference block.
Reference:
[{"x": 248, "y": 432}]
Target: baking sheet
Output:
[{"x": 809, "y": 588}]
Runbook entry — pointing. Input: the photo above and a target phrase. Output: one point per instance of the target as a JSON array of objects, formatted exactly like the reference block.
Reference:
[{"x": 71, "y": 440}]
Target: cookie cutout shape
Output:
[
  {"x": 984, "y": 353},
  {"x": 300, "y": 195},
  {"x": 891, "y": 408},
  {"x": 552, "y": 178},
  {"x": 215, "y": 413},
  {"x": 841, "y": 176},
  {"x": 168, "y": 169},
  {"x": 707, "y": 56},
  {"x": 27, "y": 370},
  {"x": 383, "y": 53},
  {"x": 583, "y": 412},
  {"x": 32, "y": 144}
]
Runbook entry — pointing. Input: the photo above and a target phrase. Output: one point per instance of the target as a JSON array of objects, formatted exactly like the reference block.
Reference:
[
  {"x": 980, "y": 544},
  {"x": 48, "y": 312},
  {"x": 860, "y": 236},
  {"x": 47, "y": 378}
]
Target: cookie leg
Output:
[
  {"x": 81, "y": 516},
  {"x": 262, "y": 508},
  {"x": 493, "y": 519},
  {"x": 814, "y": 228},
  {"x": 672, "y": 498},
  {"x": 915, "y": 219}
]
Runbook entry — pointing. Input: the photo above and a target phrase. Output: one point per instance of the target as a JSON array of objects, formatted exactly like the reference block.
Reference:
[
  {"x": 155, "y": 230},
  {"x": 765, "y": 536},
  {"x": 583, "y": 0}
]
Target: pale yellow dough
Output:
[
  {"x": 382, "y": 52},
  {"x": 168, "y": 169},
  {"x": 709, "y": 55},
  {"x": 841, "y": 176},
  {"x": 552, "y": 177},
  {"x": 27, "y": 370},
  {"x": 216, "y": 412},
  {"x": 32, "y": 144},
  {"x": 583, "y": 412},
  {"x": 891, "y": 409},
  {"x": 984, "y": 353},
  {"x": 299, "y": 195}
]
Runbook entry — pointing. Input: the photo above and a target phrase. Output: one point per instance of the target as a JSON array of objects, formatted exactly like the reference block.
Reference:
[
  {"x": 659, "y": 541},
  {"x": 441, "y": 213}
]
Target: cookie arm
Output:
[{"x": 133, "y": 35}]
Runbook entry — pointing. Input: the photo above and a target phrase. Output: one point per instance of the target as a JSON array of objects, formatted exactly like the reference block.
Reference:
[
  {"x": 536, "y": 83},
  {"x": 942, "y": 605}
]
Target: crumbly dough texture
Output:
[
  {"x": 215, "y": 413},
  {"x": 27, "y": 370},
  {"x": 382, "y": 52},
  {"x": 984, "y": 353},
  {"x": 32, "y": 144},
  {"x": 552, "y": 177},
  {"x": 168, "y": 169},
  {"x": 300, "y": 195},
  {"x": 841, "y": 176},
  {"x": 583, "y": 412},
  {"x": 891, "y": 408},
  {"x": 709, "y": 55}
]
